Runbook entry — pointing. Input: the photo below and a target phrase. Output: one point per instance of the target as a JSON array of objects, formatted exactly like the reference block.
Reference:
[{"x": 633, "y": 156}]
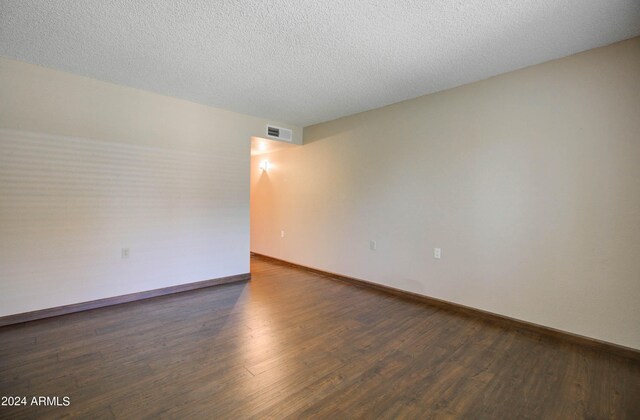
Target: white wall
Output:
[
  {"x": 88, "y": 168},
  {"x": 529, "y": 182}
]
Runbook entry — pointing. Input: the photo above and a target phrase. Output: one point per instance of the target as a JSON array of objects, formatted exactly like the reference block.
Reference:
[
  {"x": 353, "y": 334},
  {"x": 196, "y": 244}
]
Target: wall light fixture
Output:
[{"x": 265, "y": 165}]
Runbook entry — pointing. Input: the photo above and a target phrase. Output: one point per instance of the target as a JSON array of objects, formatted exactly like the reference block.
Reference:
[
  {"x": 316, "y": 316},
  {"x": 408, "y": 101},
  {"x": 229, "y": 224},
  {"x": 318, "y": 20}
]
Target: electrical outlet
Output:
[
  {"x": 373, "y": 245},
  {"x": 437, "y": 253},
  {"x": 125, "y": 253},
  {"x": 282, "y": 233}
]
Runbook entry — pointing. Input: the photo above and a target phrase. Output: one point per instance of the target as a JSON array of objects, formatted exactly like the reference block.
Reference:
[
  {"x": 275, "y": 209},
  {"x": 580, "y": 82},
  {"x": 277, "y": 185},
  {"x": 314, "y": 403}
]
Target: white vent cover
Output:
[{"x": 279, "y": 133}]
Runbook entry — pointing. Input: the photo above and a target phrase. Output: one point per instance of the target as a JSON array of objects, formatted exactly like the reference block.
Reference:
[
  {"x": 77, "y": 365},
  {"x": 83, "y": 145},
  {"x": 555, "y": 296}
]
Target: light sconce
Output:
[{"x": 265, "y": 165}]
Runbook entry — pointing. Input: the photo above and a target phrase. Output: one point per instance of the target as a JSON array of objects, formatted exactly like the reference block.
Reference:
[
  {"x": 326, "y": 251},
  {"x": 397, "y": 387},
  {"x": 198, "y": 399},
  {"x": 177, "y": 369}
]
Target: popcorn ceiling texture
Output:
[{"x": 305, "y": 61}]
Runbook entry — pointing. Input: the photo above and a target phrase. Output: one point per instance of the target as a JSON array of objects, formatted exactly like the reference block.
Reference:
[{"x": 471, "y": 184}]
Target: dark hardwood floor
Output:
[{"x": 292, "y": 343}]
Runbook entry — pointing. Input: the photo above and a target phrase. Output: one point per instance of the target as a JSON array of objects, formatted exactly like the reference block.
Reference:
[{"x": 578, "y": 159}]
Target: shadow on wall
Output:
[
  {"x": 323, "y": 131},
  {"x": 264, "y": 181}
]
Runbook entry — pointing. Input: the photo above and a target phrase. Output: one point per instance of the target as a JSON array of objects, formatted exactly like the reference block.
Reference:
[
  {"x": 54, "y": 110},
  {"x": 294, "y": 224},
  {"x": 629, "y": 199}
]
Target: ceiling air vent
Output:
[{"x": 279, "y": 133}]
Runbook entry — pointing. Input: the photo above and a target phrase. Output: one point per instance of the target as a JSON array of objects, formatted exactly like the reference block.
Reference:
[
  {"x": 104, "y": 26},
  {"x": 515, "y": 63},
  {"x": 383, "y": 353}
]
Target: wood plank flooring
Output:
[{"x": 295, "y": 344}]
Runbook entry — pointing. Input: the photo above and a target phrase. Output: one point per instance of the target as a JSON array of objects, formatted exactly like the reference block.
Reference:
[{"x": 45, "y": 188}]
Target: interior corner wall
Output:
[
  {"x": 528, "y": 181},
  {"x": 88, "y": 168}
]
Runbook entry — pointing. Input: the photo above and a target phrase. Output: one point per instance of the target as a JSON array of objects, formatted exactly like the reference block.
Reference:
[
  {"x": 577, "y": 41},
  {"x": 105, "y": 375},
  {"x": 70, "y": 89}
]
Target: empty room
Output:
[{"x": 320, "y": 209}]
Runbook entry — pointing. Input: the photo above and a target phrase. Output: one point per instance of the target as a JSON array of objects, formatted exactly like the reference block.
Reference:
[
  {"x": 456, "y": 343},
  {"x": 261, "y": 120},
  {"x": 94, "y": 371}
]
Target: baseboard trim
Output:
[
  {"x": 117, "y": 300},
  {"x": 502, "y": 320}
]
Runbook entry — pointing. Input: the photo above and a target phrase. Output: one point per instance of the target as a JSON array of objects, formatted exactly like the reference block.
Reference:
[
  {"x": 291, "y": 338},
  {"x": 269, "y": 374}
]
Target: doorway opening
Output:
[{"x": 268, "y": 181}]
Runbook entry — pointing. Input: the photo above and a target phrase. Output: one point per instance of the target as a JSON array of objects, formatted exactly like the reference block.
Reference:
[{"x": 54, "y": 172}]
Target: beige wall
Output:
[
  {"x": 529, "y": 182},
  {"x": 88, "y": 168}
]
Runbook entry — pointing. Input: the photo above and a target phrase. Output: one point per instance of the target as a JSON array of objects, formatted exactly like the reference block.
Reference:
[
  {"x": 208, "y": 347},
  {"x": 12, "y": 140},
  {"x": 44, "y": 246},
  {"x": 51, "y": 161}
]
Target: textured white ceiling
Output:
[{"x": 305, "y": 61}]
